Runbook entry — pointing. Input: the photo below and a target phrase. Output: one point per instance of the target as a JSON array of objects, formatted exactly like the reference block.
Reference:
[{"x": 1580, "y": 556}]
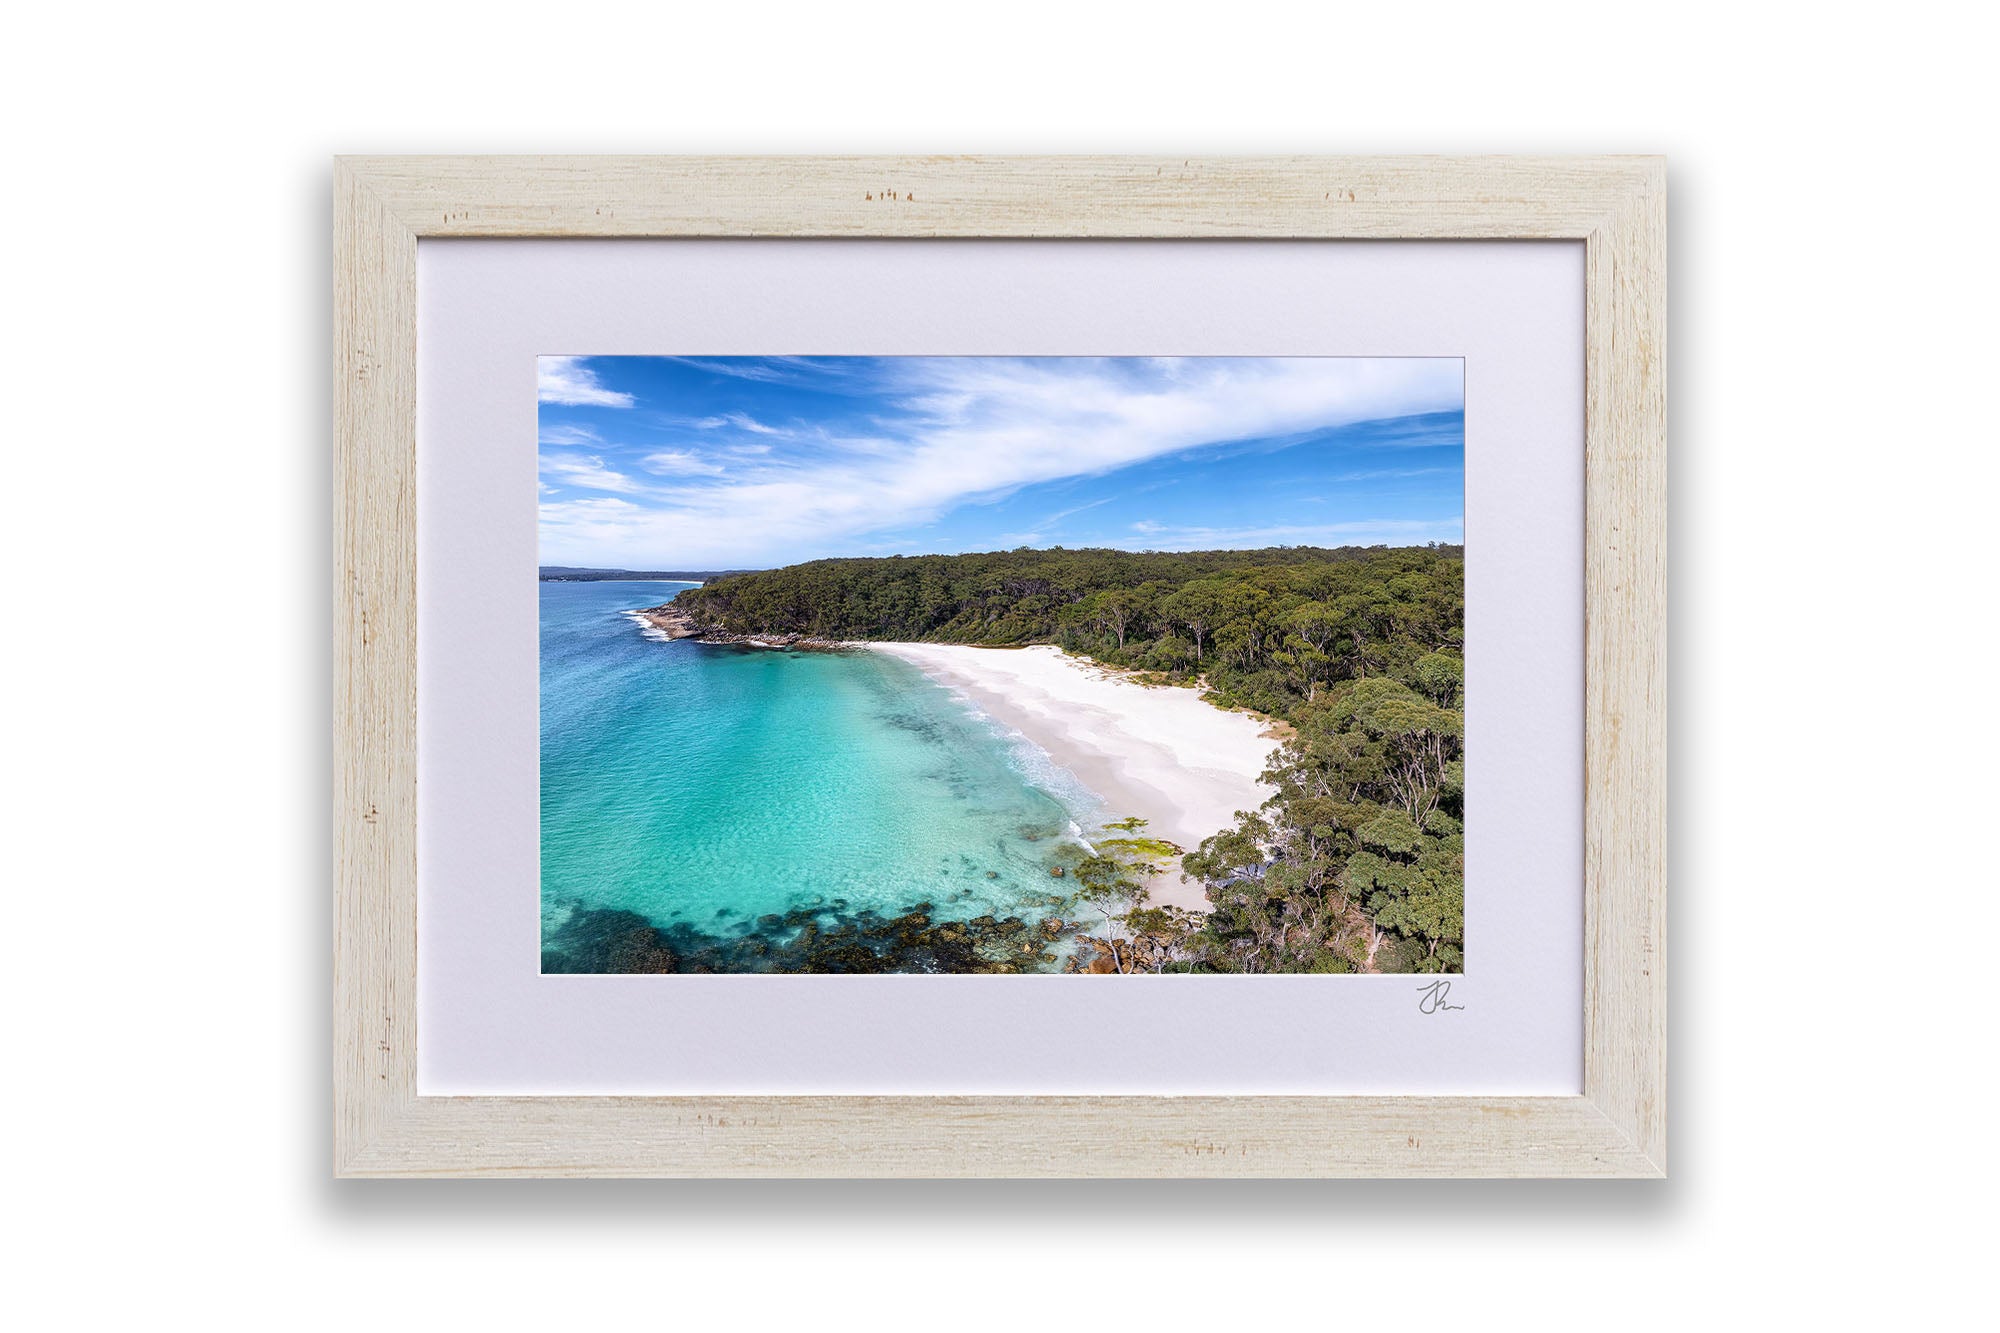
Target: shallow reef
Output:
[{"x": 819, "y": 938}]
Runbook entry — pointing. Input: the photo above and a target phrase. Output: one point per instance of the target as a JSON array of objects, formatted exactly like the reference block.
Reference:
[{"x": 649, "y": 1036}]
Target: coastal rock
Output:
[
  {"x": 671, "y": 621},
  {"x": 676, "y": 623},
  {"x": 609, "y": 940},
  {"x": 820, "y": 936},
  {"x": 641, "y": 949}
]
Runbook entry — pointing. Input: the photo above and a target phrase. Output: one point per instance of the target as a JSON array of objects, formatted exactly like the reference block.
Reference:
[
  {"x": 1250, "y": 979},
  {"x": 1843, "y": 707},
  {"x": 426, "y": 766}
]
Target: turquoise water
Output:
[{"x": 711, "y": 791}]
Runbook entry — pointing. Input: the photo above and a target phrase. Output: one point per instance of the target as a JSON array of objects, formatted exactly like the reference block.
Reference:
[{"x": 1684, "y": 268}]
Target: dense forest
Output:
[{"x": 1357, "y": 864}]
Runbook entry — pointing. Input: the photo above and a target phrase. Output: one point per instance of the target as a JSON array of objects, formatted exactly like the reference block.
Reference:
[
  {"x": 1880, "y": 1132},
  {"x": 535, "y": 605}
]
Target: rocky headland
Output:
[{"x": 676, "y": 623}]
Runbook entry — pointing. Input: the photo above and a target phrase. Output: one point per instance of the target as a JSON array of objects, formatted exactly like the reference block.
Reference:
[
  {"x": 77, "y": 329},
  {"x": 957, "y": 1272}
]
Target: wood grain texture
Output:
[
  {"x": 1350, "y": 197},
  {"x": 375, "y": 665},
  {"x": 1616, "y": 1127},
  {"x": 1625, "y": 633},
  {"x": 1001, "y": 1136}
]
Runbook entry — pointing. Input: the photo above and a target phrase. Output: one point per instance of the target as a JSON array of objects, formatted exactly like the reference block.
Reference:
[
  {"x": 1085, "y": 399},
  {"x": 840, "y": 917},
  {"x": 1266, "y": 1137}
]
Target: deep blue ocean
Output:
[{"x": 718, "y": 793}]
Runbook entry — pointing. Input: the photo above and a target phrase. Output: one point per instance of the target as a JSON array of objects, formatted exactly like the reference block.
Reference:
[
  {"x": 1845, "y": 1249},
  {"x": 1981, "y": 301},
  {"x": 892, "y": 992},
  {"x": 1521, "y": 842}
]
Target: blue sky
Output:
[{"x": 748, "y": 462}]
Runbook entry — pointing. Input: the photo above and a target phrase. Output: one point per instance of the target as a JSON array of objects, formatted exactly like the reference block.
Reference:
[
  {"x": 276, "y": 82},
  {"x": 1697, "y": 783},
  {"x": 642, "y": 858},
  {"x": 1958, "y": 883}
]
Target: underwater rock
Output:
[
  {"x": 805, "y": 939},
  {"x": 604, "y": 940}
]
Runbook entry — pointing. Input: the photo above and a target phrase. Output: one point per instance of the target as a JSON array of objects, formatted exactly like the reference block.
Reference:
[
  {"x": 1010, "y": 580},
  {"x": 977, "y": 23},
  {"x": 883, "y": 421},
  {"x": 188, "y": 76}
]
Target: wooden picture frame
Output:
[{"x": 383, "y": 206}]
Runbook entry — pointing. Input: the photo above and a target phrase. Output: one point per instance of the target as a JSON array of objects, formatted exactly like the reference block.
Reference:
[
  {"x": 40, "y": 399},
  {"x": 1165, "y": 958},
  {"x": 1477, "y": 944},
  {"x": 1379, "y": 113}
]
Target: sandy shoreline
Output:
[{"x": 1158, "y": 752}]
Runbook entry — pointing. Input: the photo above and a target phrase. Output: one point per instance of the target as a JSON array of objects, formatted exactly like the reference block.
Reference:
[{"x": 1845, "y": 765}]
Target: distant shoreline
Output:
[
  {"x": 587, "y": 574},
  {"x": 618, "y": 578}
]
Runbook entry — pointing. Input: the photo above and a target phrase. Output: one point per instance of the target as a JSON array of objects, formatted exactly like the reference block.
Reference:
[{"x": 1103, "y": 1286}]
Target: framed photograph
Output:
[{"x": 1000, "y": 667}]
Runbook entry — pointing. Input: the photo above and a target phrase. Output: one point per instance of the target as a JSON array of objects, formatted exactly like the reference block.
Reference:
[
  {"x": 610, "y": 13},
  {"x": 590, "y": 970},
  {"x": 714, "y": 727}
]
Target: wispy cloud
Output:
[
  {"x": 1040, "y": 529},
  {"x": 740, "y": 420},
  {"x": 1367, "y": 532},
  {"x": 1389, "y": 473},
  {"x": 939, "y": 433},
  {"x": 585, "y": 474},
  {"x": 567, "y": 381},
  {"x": 680, "y": 463},
  {"x": 565, "y": 436},
  {"x": 1062, "y": 514},
  {"x": 746, "y": 368}
]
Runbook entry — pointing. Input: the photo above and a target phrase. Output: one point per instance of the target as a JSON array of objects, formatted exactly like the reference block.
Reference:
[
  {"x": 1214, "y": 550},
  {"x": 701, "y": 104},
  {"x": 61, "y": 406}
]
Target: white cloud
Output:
[
  {"x": 589, "y": 509},
  {"x": 566, "y": 380},
  {"x": 740, "y": 420},
  {"x": 978, "y": 429},
  {"x": 563, "y": 436},
  {"x": 586, "y": 474},
  {"x": 744, "y": 369},
  {"x": 588, "y": 525},
  {"x": 1385, "y": 474},
  {"x": 1366, "y": 532},
  {"x": 681, "y": 463}
]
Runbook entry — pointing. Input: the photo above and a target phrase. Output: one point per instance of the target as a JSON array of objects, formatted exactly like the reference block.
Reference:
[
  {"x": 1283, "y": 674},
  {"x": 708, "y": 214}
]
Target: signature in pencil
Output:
[{"x": 1436, "y": 998}]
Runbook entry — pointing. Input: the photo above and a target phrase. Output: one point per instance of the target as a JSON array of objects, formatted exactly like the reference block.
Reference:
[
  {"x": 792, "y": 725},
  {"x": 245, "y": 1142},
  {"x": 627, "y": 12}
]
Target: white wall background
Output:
[{"x": 166, "y": 341}]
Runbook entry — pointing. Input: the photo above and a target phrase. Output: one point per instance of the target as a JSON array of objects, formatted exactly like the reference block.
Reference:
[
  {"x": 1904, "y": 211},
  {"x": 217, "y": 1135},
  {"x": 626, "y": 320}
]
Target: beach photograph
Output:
[{"x": 1126, "y": 666}]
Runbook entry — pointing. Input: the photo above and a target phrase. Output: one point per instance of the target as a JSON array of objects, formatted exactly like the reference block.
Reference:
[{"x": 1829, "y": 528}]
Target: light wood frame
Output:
[{"x": 382, "y": 206}]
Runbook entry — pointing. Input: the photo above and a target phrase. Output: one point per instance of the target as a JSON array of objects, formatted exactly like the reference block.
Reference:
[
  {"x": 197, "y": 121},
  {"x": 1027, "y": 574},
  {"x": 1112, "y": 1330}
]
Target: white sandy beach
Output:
[{"x": 1157, "y": 752}]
